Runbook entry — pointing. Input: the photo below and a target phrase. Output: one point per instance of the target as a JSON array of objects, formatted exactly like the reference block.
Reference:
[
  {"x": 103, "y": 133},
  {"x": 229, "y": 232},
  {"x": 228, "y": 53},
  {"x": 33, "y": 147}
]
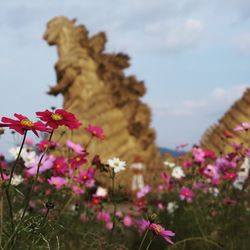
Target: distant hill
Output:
[{"x": 173, "y": 152}]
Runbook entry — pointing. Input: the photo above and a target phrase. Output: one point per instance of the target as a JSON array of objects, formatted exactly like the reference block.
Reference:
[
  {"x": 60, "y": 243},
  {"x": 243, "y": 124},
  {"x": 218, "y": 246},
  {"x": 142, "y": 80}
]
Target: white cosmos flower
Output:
[
  {"x": 101, "y": 192},
  {"x": 169, "y": 164},
  {"x": 172, "y": 206},
  {"x": 239, "y": 182},
  {"x": 16, "y": 180},
  {"x": 178, "y": 172},
  {"x": 244, "y": 169},
  {"x": 14, "y": 151},
  {"x": 27, "y": 154},
  {"x": 116, "y": 164},
  {"x": 214, "y": 191}
]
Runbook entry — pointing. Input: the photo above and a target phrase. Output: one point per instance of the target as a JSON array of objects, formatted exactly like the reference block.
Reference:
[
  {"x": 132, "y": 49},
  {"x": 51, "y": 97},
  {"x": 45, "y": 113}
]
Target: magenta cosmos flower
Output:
[
  {"x": 78, "y": 160},
  {"x": 243, "y": 126},
  {"x": 186, "y": 194},
  {"x": 23, "y": 124},
  {"x": 159, "y": 230},
  {"x": 44, "y": 144},
  {"x": 58, "y": 118},
  {"x": 96, "y": 131},
  {"x": 58, "y": 182}
]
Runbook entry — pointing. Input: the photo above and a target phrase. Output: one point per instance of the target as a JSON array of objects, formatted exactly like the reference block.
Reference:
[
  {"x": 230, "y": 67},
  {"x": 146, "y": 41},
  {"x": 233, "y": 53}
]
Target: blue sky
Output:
[{"x": 194, "y": 56}]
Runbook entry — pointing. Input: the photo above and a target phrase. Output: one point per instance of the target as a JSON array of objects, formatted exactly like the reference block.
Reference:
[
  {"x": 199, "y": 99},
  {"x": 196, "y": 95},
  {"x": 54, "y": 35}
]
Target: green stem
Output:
[
  {"x": 9, "y": 182},
  {"x": 1, "y": 213},
  {"x": 113, "y": 201},
  {"x": 30, "y": 190},
  {"x": 144, "y": 238},
  {"x": 29, "y": 194},
  {"x": 196, "y": 238},
  {"x": 150, "y": 243},
  {"x": 17, "y": 159},
  {"x": 89, "y": 142}
]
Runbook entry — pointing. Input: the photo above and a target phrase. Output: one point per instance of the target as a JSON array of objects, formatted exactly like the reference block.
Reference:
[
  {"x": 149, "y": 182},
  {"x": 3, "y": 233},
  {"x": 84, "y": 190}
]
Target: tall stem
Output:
[
  {"x": 143, "y": 239},
  {"x": 17, "y": 159},
  {"x": 113, "y": 201},
  {"x": 29, "y": 193},
  {"x": 150, "y": 243},
  {"x": 28, "y": 196},
  {"x": 1, "y": 208},
  {"x": 9, "y": 182}
]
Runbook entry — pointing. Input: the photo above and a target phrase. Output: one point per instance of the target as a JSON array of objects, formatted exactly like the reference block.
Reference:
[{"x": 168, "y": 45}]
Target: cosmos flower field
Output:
[{"x": 50, "y": 197}]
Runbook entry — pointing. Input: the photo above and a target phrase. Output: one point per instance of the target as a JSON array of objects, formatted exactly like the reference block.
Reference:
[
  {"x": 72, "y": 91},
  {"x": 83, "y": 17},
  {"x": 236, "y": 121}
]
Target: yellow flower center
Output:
[
  {"x": 27, "y": 123},
  {"x": 78, "y": 159},
  {"x": 56, "y": 117},
  {"x": 158, "y": 229},
  {"x": 116, "y": 164}
]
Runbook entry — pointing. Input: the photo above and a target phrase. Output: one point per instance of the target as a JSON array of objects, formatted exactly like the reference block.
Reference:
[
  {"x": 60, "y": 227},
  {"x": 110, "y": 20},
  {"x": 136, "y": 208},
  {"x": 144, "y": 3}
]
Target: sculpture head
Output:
[{"x": 55, "y": 28}]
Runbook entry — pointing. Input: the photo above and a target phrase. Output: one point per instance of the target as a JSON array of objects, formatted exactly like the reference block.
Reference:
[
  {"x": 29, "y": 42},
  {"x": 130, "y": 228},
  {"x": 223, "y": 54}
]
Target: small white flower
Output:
[
  {"x": 172, "y": 206},
  {"x": 27, "y": 154},
  {"x": 14, "y": 151},
  {"x": 169, "y": 164},
  {"x": 239, "y": 182},
  {"x": 215, "y": 191},
  {"x": 244, "y": 169},
  {"x": 29, "y": 158},
  {"x": 101, "y": 192},
  {"x": 178, "y": 172},
  {"x": 116, "y": 164},
  {"x": 16, "y": 180}
]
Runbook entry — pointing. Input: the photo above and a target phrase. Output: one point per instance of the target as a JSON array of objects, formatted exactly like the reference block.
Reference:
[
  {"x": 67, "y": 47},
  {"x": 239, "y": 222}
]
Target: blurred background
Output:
[{"x": 193, "y": 55}]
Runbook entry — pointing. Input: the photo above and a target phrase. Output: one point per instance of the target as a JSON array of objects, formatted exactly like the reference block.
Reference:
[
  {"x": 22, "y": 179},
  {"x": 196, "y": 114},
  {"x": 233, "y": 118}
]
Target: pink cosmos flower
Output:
[
  {"x": 143, "y": 191},
  {"x": 58, "y": 182},
  {"x": 186, "y": 194},
  {"x": 103, "y": 216},
  {"x": 58, "y": 118},
  {"x": 142, "y": 224},
  {"x": 86, "y": 177},
  {"x": 237, "y": 146},
  {"x": 76, "y": 147},
  {"x": 77, "y": 190},
  {"x": 198, "y": 154},
  {"x": 159, "y": 230},
  {"x": 244, "y": 126},
  {"x": 5, "y": 177},
  {"x": 247, "y": 152},
  {"x": 127, "y": 221},
  {"x": 212, "y": 172},
  {"x": 109, "y": 225},
  {"x": 28, "y": 141},
  {"x": 46, "y": 164},
  {"x": 224, "y": 163},
  {"x": 23, "y": 124},
  {"x": 96, "y": 131}
]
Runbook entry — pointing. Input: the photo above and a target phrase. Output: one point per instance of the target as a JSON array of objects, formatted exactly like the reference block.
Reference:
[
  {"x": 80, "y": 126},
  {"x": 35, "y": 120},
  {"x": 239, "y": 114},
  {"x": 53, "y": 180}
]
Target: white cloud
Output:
[{"x": 217, "y": 102}]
